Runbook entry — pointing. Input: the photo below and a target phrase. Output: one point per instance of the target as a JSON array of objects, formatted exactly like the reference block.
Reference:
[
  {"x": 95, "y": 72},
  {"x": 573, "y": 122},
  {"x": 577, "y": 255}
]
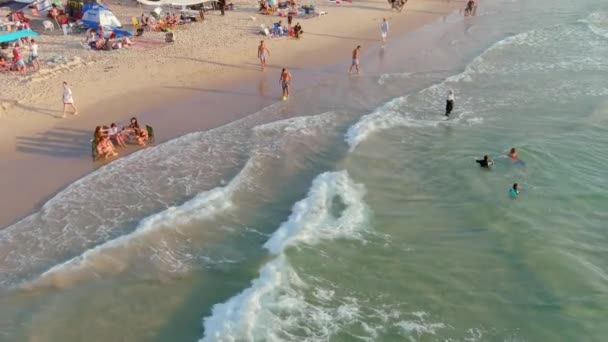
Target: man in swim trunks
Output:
[
  {"x": 263, "y": 53},
  {"x": 285, "y": 81},
  {"x": 355, "y": 60},
  {"x": 486, "y": 162}
]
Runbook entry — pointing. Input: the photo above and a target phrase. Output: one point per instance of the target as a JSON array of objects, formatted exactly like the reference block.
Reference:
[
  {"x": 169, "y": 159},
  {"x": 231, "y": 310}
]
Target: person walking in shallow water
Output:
[
  {"x": 68, "y": 100},
  {"x": 355, "y": 64},
  {"x": 263, "y": 54},
  {"x": 285, "y": 81},
  {"x": 384, "y": 30},
  {"x": 449, "y": 104}
]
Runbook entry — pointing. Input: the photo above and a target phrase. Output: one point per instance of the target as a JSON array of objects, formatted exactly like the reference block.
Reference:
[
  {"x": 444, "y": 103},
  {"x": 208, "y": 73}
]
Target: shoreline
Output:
[{"x": 62, "y": 150}]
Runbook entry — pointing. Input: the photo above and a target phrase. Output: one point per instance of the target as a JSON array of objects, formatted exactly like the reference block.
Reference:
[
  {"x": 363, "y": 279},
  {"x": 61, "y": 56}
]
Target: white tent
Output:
[{"x": 95, "y": 16}]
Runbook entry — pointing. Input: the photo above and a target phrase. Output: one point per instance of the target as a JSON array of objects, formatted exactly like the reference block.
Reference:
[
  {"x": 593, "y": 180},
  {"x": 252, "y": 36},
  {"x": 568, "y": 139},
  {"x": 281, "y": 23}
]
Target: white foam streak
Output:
[
  {"x": 274, "y": 302},
  {"x": 312, "y": 219},
  {"x": 202, "y": 207}
]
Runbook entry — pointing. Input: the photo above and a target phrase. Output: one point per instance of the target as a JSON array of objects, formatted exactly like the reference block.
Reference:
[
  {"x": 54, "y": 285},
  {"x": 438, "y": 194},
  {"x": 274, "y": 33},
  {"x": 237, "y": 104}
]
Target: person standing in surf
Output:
[
  {"x": 263, "y": 54},
  {"x": 285, "y": 81},
  {"x": 355, "y": 63},
  {"x": 384, "y": 30},
  {"x": 449, "y": 105}
]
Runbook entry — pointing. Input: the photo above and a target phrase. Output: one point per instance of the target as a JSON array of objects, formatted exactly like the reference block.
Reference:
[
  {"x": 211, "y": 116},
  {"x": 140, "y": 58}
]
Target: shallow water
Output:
[{"x": 360, "y": 215}]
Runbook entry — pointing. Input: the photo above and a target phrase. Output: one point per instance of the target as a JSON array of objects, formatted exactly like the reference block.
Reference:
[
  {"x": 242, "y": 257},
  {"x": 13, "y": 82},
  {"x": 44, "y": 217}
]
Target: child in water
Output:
[
  {"x": 514, "y": 191},
  {"x": 513, "y": 154}
]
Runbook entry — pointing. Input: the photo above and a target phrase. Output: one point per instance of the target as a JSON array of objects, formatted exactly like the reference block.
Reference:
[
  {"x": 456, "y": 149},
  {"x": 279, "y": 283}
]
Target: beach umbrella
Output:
[{"x": 11, "y": 36}]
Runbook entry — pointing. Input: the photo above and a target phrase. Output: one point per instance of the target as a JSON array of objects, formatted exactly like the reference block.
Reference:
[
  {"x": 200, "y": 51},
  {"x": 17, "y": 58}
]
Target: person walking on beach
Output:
[
  {"x": 222, "y": 4},
  {"x": 34, "y": 55},
  {"x": 384, "y": 30},
  {"x": 285, "y": 81},
  {"x": 355, "y": 63},
  {"x": 449, "y": 104},
  {"x": 263, "y": 54},
  {"x": 68, "y": 100}
]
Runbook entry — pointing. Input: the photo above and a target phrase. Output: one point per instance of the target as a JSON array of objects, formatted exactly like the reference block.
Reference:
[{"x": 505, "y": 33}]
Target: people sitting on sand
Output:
[
  {"x": 297, "y": 31},
  {"x": 135, "y": 134},
  {"x": 278, "y": 29},
  {"x": 114, "y": 133},
  {"x": 99, "y": 43},
  {"x": 103, "y": 145},
  {"x": 470, "y": 9},
  {"x": 4, "y": 65},
  {"x": 125, "y": 42},
  {"x": 264, "y": 7}
]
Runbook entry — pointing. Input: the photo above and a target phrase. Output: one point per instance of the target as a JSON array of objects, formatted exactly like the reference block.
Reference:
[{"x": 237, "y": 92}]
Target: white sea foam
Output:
[
  {"x": 312, "y": 219},
  {"x": 100, "y": 259},
  {"x": 275, "y": 303}
]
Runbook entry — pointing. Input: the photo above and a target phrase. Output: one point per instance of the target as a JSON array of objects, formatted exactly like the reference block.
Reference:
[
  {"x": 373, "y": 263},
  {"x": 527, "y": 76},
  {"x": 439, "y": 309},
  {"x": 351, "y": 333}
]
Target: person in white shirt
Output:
[
  {"x": 34, "y": 54},
  {"x": 384, "y": 29},
  {"x": 68, "y": 100},
  {"x": 449, "y": 106},
  {"x": 115, "y": 133}
]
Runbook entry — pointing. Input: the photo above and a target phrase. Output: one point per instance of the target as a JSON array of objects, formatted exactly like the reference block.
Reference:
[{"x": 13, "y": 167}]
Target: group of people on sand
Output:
[
  {"x": 97, "y": 40},
  {"x": 18, "y": 62},
  {"x": 106, "y": 139}
]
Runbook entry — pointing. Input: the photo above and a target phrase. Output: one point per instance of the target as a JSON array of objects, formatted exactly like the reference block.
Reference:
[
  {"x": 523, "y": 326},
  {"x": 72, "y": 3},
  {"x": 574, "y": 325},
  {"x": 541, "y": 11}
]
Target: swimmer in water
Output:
[
  {"x": 514, "y": 191},
  {"x": 513, "y": 154},
  {"x": 449, "y": 104},
  {"x": 486, "y": 162}
]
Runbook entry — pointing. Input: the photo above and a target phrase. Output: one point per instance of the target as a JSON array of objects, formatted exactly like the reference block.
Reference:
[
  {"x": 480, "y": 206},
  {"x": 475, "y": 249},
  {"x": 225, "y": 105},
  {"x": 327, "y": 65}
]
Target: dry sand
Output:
[{"x": 40, "y": 153}]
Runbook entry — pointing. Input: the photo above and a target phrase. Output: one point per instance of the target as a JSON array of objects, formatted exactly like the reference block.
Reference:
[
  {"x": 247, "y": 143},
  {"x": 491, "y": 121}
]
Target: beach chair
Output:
[
  {"x": 48, "y": 25},
  {"x": 94, "y": 154},
  {"x": 150, "y": 131},
  {"x": 265, "y": 31}
]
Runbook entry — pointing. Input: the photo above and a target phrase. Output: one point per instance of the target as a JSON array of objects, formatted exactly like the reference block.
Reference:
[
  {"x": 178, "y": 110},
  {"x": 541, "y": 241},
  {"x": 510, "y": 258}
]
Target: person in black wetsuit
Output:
[{"x": 486, "y": 162}]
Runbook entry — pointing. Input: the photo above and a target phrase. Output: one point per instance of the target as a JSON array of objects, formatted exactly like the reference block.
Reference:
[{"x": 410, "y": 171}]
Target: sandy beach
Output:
[{"x": 213, "y": 61}]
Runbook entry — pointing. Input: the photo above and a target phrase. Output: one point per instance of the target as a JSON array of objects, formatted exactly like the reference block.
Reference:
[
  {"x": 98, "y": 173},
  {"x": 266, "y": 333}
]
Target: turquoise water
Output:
[{"x": 360, "y": 216}]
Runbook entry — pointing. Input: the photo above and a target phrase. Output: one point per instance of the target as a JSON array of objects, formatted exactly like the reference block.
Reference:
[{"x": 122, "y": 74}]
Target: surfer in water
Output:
[
  {"x": 513, "y": 154},
  {"x": 449, "y": 104},
  {"x": 514, "y": 191},
  {"x": 486, "y": 162}
]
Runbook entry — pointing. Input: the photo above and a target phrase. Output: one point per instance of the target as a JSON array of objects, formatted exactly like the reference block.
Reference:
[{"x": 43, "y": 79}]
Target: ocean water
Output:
[{"x": 358, "y": 216}]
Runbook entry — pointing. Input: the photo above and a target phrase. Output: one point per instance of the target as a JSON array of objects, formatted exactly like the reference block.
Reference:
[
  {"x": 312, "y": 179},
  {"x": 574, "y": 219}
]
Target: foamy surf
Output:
[
  {"x": 81, "y": 224},
  {"x": 275, "y": 302},
  {"x": 113, "y": 255}
]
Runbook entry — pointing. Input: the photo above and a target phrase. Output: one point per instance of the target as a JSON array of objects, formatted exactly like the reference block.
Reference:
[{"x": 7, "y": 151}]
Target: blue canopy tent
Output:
[
  {"x": 96, "y": 15},
  {"x": 12, "y": 36},
  {"x": 16, "y": 5}
]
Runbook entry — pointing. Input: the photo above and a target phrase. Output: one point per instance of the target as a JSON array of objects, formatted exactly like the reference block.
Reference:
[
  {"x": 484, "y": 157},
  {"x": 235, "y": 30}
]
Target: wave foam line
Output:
[
  {"x": 390, "y": 114},
  {"x": 203, "y": 206},
  {"x": 274, "y": 301}
]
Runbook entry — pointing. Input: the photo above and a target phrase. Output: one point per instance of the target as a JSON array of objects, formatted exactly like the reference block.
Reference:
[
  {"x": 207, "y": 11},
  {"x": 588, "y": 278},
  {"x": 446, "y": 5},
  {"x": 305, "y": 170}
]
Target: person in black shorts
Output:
[{"x": 486, "y": 162}]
